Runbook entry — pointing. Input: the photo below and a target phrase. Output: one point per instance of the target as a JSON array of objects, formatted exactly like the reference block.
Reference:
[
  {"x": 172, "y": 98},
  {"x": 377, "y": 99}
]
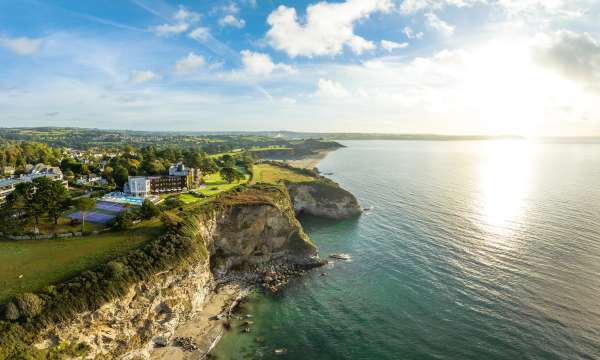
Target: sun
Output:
[{"x": 509, "y": 92}]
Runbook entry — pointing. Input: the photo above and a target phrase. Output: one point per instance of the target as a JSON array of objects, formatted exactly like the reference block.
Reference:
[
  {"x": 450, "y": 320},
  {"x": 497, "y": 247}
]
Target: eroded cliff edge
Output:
[
  {"x": 132, "y": 304},
  {"x": 323, "y": 198}
]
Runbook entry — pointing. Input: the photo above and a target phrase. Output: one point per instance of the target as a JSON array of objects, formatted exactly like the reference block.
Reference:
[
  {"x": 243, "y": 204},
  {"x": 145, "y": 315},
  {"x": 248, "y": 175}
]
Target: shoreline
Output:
[
  {"x": 197, "y": 336},
  {"x": 309, "y": 162}
]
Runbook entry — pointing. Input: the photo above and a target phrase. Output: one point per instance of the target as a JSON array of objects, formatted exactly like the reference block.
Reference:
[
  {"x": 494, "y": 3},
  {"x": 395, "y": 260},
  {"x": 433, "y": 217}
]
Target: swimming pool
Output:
[{"x": 121, "y": 198}]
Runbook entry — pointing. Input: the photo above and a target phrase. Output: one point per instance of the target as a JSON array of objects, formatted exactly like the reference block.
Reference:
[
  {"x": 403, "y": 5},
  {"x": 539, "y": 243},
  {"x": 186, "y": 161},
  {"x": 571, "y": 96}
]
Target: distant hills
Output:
[{"x": 28, "y": 133}]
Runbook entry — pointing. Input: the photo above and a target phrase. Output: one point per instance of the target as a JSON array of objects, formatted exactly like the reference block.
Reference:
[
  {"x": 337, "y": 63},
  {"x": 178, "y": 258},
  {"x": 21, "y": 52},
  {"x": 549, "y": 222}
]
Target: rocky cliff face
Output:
[
  {"x": 323, "y": 198},
  {"x": 148, "y": 315},
  {"x": 248, "y": 228}
]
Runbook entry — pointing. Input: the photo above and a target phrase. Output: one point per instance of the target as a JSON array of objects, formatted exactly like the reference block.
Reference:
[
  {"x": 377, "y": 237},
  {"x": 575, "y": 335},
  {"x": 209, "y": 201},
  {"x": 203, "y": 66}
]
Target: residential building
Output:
[
  {"x": 40, "y": 170},
  {"x": 91, "y": 179}
]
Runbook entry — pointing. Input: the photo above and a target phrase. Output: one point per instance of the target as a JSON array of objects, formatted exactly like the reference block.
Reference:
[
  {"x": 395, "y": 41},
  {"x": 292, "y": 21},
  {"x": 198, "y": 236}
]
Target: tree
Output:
[
  {"x": 149, "y": 210},
  {"x": 120, "y": 175},
  {"x": 53, "y": 196},
  {"x": 108, "y": 173},
  {"x": 231, "y": 174},
  {"x": 208, "y": 165},
  {"x": 152, "y": 167},
  {"x": 84, "y": 205},
  {"x": 25, "y": 202},
  {"x": 124, "y": 220},
  {"x": 228, "y": 161}
]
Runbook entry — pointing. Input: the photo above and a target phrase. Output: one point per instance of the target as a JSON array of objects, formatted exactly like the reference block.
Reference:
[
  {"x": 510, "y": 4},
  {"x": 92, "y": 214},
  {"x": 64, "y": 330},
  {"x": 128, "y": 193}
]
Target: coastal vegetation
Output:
[{"x": 274, "y": 173}]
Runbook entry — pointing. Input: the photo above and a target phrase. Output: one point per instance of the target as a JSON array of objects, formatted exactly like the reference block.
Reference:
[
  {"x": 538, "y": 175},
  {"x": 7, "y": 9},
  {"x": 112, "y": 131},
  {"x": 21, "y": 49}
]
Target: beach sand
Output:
[
  {"x": 203, "y": 328},
  {"x": 310, "y": 162}
]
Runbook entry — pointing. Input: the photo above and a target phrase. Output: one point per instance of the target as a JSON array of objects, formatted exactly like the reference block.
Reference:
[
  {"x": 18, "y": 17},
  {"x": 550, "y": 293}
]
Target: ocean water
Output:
[{"x": 472, "y": 250}]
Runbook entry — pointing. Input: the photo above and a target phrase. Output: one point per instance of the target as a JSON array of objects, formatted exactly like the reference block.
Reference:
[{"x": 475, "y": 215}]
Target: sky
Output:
[{"x": 523, "y": 67}]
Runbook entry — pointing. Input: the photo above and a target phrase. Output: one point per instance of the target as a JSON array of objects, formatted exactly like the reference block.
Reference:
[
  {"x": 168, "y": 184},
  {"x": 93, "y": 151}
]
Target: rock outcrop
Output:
[{"x": 323, "y": 198}]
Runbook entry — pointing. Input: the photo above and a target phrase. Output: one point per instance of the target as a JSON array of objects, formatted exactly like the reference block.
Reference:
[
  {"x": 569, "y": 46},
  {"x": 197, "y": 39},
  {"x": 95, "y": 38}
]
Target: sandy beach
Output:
[
  {"x": 309, "y": 162},
  {"x": 206, "y": 328}
]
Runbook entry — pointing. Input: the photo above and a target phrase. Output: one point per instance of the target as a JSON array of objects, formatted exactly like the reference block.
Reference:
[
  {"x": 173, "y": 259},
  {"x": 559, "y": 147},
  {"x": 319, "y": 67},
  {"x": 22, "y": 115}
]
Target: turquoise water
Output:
[{"x": 473, "y": 250}]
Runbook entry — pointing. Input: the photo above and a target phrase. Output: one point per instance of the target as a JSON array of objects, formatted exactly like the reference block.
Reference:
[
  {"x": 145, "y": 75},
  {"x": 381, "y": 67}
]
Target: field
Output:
[
  {"x": 267, "y": 173},
  {"x": 215, "y": 184},
  {"x": 33, "y": 264}
]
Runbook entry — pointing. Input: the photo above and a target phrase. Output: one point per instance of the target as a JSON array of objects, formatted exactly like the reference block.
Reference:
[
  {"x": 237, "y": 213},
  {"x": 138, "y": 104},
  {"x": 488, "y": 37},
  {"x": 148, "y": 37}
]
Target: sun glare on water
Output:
[{"x": 504, "y": 183}]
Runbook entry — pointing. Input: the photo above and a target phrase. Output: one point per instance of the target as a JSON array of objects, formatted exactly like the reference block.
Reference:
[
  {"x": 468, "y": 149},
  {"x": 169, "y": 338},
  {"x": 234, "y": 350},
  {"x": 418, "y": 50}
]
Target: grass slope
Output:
[
  {"x": 215, "y": 184},
  {"x": 44, "y": 262},
  {"x": 272, "y": 174}
]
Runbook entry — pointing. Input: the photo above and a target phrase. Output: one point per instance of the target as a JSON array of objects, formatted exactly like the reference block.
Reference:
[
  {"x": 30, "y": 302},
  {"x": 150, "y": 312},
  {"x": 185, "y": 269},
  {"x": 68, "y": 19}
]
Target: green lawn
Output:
[
  {"x": 267, "y": 173},
  {"x": 47, "y": 226},
  {"x": 215, "y": 184},
  {"x": 186, "y": 198},
  {"x": 252, "y": 149},
  {"x": 33, "y": 264}
]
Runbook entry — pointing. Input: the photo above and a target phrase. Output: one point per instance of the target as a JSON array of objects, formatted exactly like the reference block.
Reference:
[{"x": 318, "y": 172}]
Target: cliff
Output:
[
  {"x": 135, "y": 303},
  {"x": 323, "y": 198}
]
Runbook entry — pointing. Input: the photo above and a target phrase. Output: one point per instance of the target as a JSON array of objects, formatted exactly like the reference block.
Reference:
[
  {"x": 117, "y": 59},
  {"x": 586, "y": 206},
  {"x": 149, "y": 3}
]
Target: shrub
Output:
[
  {"x": 123, "y": 221},
  {"x": 171, "y": 221},
  {"x": 30, "y": 305},
  {"x": 11, "y": 312},
  {"x": 173, "y": 203},
  {"x": 149, "y": 210}
]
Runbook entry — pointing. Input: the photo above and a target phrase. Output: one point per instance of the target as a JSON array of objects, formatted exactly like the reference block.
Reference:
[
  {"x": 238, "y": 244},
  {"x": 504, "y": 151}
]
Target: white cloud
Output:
[
  {"x": 261, "y": 64},
  {"x": 231, "y": 20},
  {"x": 548, "y": 6},
  {"x": 170, "y": 29},
  {"x": 200, "y": 34},
  {"x": 189, "y": 64},
  {"x": 327, "y": 29},
  {"x": 184, "y": 14},
  {"x": 413, "y": 6},
  {"x": 331, "y": 89},
  {"x": 183, "y": 18},
  {"x": 289, "y": 101},
  {"x": 141, "y": 76},
  {"x": 21, "y": 45},
  {"x": 435, "y": 23},
  {"x": 575, "y": 55},
  {"x": 410, "y": 34},
  {"x": 391, "y": 46}
]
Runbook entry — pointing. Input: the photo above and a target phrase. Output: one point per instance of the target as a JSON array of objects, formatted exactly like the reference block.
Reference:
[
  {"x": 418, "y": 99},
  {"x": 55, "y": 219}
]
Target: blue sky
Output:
[{"x": 408, "y": 66}]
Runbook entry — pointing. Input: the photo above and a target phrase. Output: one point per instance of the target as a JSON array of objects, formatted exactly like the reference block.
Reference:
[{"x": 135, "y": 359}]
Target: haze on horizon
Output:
[{"x": 523, "y": 67}]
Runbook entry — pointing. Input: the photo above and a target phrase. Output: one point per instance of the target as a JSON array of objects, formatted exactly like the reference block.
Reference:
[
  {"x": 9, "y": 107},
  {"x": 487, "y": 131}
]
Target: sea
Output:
[{"x": 469, "y": 250}]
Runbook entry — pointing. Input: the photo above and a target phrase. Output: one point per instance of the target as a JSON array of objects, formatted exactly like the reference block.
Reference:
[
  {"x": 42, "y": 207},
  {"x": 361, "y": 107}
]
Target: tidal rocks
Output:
[
  {"x": 186, "y": 343},
  {"x": 277, "y": 276}
]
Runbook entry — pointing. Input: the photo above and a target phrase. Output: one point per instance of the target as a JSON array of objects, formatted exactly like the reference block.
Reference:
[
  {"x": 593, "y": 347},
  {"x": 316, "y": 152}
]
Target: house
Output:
[
  {"x": 91, "y": 180},
  {"x": 7, "y": 186}
]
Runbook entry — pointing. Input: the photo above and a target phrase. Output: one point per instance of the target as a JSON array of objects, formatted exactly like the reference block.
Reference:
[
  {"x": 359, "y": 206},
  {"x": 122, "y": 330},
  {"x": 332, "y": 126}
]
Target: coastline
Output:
[
  {"x": 202, "y": 332},
  {"x": 309, "y": 162}
]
